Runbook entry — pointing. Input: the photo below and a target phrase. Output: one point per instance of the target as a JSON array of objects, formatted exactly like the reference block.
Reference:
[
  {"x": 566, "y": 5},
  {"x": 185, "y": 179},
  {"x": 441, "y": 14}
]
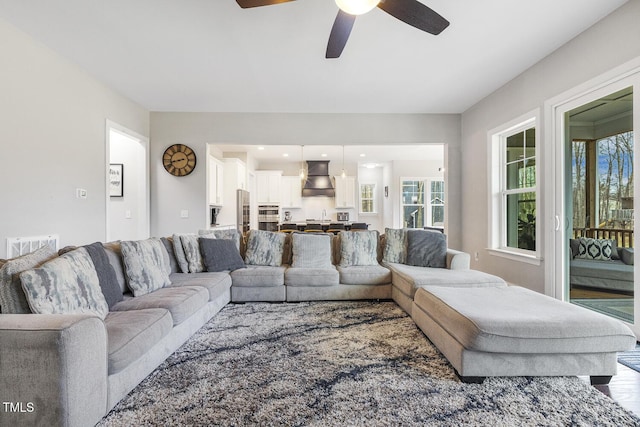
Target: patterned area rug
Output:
[
  {"x": 619, "y": 308},
  {"x": 631, "y": 358},
  {"x": 347, "y": 363}
]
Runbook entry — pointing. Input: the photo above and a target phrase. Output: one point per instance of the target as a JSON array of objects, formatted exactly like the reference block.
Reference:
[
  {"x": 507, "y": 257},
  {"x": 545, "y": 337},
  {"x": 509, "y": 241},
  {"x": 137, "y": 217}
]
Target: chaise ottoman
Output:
[{"x": 512, "y": 331}]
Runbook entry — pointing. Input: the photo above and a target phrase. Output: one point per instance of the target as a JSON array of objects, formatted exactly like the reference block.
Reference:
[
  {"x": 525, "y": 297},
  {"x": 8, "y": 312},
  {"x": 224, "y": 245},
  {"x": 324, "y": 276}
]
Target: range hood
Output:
[{"x": 318, "y": 182}]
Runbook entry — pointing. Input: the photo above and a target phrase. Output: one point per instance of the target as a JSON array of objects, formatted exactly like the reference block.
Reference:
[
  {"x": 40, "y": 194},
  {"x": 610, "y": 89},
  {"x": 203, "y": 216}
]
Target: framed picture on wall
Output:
[{"x": 116, "y": 187}]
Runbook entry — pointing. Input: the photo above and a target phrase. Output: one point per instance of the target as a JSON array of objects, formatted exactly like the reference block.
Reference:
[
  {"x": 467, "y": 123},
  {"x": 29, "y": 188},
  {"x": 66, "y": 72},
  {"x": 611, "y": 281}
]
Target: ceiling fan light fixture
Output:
[{"x": 356, "y": 7}]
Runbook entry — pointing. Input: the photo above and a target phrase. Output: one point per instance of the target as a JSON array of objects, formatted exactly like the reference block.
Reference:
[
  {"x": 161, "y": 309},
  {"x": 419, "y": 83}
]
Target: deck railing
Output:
[{"x": 622, "y": 237}]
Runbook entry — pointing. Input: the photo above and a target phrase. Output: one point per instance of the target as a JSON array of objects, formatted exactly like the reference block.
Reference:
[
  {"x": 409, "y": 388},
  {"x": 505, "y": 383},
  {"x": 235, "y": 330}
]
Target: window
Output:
[
  {"x": 422, "y": 202},
  {"x": 514, "y": 190},
  {"x": 367, "y": 198}
]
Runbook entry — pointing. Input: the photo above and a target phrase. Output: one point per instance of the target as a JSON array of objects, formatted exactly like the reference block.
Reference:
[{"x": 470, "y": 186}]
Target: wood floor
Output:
[{"x": 624, "y": 388}]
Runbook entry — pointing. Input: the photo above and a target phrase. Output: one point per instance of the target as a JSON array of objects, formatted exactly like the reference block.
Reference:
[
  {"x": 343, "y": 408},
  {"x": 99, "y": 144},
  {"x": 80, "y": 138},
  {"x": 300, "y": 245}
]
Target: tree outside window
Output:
[{"x": 423, "y": 202}]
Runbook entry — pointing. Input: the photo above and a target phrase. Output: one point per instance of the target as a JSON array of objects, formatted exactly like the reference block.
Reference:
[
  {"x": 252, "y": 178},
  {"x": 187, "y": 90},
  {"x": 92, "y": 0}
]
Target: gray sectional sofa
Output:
[{"x": 110, "y": 313}]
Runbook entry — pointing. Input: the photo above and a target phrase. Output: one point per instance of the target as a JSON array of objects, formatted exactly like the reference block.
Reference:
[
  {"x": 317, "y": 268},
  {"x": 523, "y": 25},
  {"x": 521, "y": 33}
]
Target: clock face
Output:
[{"x": 179, "y": 160}]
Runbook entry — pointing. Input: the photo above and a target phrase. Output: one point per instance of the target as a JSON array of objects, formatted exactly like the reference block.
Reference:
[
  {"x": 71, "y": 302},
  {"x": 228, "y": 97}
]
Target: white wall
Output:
[
  {"x": 171, "y": 194},
  {"x": 53, "y": 126},
  {"x": 609, "y": 43}
]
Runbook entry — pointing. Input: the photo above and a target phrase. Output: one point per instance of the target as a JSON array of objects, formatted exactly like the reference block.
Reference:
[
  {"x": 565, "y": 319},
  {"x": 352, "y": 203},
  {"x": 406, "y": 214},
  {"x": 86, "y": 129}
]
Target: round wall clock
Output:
[{"x": 179, "y": 160}]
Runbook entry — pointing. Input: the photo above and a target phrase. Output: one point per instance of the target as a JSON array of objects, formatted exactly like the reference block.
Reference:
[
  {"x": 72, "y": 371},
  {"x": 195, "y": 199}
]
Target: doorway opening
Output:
[
  {"x": 127, "y": 216},
  {"x": 599, "y": 204}
]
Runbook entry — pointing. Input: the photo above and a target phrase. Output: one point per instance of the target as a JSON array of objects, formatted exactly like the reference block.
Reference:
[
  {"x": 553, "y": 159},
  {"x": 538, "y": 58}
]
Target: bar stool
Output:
[
  {"x": 335, "y": 227},
  {"x": 288, "y": 228},
  {"x": 313, "y": 228},
  {"x": 359, "y": 226}
]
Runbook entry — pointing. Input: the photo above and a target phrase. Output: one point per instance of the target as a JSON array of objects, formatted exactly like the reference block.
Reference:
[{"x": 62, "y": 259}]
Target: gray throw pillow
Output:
[
  {"x": 65, "y": 285},
  {"x": 146, "y": 265},
  {"x": 12, "y": 298},
  {"x": 395, "y": 248},
  {"x": 231, "y": 234},
  {"x": 173, "y": 262},
  {"x": 426, "y": 248},
  {"x": 265, "y": 248},
  {"x": 191, "y": 249},
  {"x": 311, "y": 250},
  {"x": 114, "y": 253},
  {"x": 220, "y": 255},
  {"x": 106, "y": 276},
  {"x": 358, "y": 248},
  {"x": 181, "y": 258}
]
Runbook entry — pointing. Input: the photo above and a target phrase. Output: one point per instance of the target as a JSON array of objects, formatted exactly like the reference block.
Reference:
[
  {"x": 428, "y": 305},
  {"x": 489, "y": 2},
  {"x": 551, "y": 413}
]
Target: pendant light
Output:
[
  {"x": 302, "y": 162},
  {"x": 344, "y": 174}
]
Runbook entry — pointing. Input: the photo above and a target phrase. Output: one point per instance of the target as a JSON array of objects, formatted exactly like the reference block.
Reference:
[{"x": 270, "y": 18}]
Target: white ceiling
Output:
[{"x": 211, "y": 55}]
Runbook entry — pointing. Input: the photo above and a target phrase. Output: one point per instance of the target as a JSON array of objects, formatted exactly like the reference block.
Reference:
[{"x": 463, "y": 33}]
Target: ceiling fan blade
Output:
[
  {"x": 415, "y": 14},
  {"x": 255, "y": 3},
  {"x": 339, "y": 34}
]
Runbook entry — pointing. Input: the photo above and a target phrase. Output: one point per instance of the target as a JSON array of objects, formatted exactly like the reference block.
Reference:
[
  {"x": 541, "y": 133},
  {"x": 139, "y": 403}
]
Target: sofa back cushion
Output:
[
  {"x": 265, "y": 248},
  {"x": 173, "y": 261},
  {"x": 12, "y": 298},
  {"x": 220, "y": 255},
  {"x": 311, "y": 250},
  {"x": 395, "y": 245},
  {"x": 68, "y": 284},
  {"x": 114, "y": 253},
  {"x": 146, "y": 265},
  {"x": 426, "y": 248},
  {"x": 358, "y": 248}
]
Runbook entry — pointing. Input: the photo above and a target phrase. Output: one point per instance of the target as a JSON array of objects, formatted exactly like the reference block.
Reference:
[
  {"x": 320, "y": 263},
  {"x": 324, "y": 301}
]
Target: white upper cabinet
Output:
[
  {"x": 268, "y": 187},
  {"x": 345, "y": 192},
  {"x": 291, "y": 187}
]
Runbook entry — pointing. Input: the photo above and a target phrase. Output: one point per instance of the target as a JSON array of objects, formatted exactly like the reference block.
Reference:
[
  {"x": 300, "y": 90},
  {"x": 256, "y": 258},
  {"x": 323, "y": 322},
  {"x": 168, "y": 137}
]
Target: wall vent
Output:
[{"x": 17, "y": 246}]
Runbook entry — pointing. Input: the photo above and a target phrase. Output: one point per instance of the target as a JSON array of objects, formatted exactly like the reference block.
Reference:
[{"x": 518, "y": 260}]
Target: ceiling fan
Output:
[{"x": 411, "y": 12}]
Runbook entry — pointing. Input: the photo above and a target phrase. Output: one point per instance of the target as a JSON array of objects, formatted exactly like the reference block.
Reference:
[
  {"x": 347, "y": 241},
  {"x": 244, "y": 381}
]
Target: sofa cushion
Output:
[
  {"x": 311, "y": 277},
  {"x": 181, "y": 301},
  {"x": 215, "y": 283},
  {"x": 517, "y": 320},
  {"x": 426, "y": 248},
  {"x": 258, "y": 276},
  {"x": 12, "y": 298},
  {"x": 132, "y": 333},
  {"x": 114, "y": 253},
  {"x": 364, "y": 275},
  {"x": 395, "y": 247},
  {"x": 146, "y": 265},
  {"x": 65, "y": 285},
  {"x": 408, "y": 278},
  {"x": 311, "y": 250},
  {"x": 598, "y": 249},
  {"x": 358, "y": 248},
  {"x": 265, "y": 248},
  {"x": 106, "y": 276},
  {"x": 220, "y": 255}
]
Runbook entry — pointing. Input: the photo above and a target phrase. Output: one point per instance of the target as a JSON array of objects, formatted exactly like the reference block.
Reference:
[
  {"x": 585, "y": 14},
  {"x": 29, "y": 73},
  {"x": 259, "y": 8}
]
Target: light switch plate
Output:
[{"x": 184, "y": 213}]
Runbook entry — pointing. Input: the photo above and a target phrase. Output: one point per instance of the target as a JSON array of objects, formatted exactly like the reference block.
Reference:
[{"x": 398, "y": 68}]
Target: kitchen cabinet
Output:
[
  {"x": 235, "y": 174},
  {"x": 345, "y": 192},
  {"x": 268, "y": 187},
  {"x": 216, "y": 182},
  {"x": 291, "y": 192}
]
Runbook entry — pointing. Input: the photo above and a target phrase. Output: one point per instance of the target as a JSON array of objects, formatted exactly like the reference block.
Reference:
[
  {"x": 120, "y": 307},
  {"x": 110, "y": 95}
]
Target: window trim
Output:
[
  {"x": 497, "y": 229},
  {"x": 427, "y": 180}
]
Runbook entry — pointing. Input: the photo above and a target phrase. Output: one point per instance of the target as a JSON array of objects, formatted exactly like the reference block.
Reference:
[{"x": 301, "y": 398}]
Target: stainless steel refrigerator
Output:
[{"x": 243, "y": 210}]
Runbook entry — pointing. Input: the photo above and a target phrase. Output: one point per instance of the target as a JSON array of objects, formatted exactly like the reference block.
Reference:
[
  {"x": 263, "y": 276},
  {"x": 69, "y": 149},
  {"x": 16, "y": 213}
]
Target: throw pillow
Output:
[
  {"x": 106, "y": 276},
  {"x": 114, "y": 253},
  {"x": 65, "y": 285},
  {"x": 12, "y": 298},
  {"x": 191, "y": 249},
  {"x": 358, "y": 248},
  {"x": 178, "y": 251},
  {"x": 311, "y": 250},
  {"x": 395, "y": 248},
  {"x": 426, "y": 248},
  {"x": 146, "y": 266},
  {"x": 231, "y": 234},
  {"x": 598, "y": 249},
  {"x": 265, "y": 248},
  {"x": 221, "y": 255},
  {"x": 173, "y": 262}
]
